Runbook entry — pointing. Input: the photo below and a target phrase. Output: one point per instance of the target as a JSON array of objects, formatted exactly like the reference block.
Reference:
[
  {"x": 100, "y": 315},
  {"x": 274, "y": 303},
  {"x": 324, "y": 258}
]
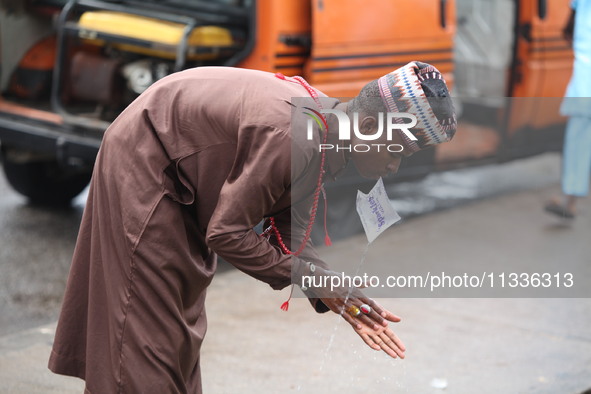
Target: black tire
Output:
[{"x": 44, "y": 182}]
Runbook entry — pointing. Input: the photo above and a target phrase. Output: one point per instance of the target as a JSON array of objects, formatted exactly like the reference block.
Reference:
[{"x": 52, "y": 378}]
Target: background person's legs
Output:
[{"x": 576, "y": 166}]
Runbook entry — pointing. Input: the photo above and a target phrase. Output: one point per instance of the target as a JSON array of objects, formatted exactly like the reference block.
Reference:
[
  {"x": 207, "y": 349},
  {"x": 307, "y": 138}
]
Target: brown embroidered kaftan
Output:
[{"x": 188, "y": 169}]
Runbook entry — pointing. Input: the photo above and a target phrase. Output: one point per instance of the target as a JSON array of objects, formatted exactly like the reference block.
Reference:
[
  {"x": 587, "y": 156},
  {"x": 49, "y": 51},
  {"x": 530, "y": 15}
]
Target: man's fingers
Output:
[
  {"x": 374, "y": 305},
  {"x": 371, "y": 319},
  {"x": 385, "y": 340},
  {"x": 378, "y": 344},
  {"x": 388, "y": 346},
  {"x": 351, "y": 320},
  {"x": 389, "y": 351},
  {"x": 379, "y": 314},
  {"x": 370, "y": 322},
  {"x": 391, "y": 317},
  {"x": 383, "y": 313},
  {"x": 377, "y": 318},
  {"x": 372, "y": 326},
  {"x": 394, "y": 338},
  {"x": 369, "y": 341}
]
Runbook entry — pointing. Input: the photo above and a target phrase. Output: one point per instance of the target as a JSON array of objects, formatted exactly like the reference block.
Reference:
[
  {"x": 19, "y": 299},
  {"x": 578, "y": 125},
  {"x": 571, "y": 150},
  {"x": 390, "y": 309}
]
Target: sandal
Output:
[{"x": 558, "y": 210}]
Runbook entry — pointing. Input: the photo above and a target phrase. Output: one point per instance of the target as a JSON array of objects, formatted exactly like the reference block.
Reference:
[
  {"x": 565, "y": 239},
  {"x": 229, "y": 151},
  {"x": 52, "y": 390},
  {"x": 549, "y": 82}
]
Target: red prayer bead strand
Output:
[{"x": 314, "y": 209}]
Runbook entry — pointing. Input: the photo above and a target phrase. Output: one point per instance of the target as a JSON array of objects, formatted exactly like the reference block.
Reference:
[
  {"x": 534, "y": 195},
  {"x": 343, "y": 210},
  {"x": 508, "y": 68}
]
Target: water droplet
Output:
[{"x": 439, "y": 383}]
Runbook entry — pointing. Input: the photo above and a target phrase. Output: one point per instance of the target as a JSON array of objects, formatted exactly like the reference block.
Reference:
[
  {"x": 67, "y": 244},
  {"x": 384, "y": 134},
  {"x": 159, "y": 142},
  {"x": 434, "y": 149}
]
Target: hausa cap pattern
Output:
[{"x": 419, "y": 88}]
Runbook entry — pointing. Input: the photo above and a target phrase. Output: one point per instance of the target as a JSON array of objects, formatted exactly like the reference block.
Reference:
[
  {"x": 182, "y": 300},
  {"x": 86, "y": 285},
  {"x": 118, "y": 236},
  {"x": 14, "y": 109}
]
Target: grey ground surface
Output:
[{"x": 467, "y": 345}]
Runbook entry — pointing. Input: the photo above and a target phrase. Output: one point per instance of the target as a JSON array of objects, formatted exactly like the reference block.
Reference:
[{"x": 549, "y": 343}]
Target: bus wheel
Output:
[{"x": 42, "y": 179}]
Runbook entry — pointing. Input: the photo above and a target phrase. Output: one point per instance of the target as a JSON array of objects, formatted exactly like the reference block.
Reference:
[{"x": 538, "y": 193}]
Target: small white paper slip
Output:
[{"x": 375, "y": 211}]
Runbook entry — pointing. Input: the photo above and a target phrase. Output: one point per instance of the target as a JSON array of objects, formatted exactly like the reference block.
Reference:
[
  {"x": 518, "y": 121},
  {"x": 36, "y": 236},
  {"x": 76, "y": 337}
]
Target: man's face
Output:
[{"x": 378, "y": 161}]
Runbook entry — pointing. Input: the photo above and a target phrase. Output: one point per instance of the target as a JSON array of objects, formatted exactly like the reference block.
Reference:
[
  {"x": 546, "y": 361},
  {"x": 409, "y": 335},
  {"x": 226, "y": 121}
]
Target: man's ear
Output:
[{"x": 368, "y": 125}]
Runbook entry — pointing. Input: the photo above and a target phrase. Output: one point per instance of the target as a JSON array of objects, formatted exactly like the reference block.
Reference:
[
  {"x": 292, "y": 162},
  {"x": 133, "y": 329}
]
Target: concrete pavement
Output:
[{"x": 459, "y": 345}]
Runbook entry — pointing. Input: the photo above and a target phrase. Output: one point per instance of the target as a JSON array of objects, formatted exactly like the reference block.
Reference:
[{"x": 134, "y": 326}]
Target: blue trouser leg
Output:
[{"x": 576, "y": 157}]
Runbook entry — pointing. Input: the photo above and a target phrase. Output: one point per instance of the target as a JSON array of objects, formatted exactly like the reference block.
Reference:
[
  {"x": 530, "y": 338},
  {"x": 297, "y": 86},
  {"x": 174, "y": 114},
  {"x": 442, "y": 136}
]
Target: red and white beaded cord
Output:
[{"x": 319, "y": 189}]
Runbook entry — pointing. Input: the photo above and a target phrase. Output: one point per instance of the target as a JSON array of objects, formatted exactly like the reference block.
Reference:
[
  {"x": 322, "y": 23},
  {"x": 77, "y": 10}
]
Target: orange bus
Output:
[{"x": 69, "y": 67}]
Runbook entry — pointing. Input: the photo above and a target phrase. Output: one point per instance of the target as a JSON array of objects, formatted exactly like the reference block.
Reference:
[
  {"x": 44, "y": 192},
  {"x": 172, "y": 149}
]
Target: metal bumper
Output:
[{"x": 68, "y": 145}]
